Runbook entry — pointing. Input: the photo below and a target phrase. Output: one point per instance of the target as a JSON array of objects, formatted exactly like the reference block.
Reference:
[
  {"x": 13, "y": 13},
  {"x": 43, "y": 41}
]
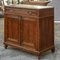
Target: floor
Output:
[{"x": 16, "y": 54}]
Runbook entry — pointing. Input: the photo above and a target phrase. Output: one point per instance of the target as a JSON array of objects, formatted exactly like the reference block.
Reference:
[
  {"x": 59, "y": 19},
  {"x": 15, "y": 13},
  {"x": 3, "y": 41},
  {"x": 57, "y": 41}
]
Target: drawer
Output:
[
  {"x": 29, "y": 12},
  {"x": 11, "y": 16},
  {"x": 20, "y": 11},
  {"x": 10, "y": 10}
]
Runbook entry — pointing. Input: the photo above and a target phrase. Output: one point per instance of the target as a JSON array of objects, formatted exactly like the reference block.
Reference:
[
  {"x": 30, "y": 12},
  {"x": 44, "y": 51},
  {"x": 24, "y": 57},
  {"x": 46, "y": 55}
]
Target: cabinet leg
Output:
[
  {"x": 6, "y": 46},
  {"x": 38, "y": 57},
  {"x": 53, "y": 50}
]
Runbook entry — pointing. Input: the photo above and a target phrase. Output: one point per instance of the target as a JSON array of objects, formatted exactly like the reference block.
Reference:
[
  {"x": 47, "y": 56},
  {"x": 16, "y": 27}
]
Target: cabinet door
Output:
[
  {"x": 12, "y": 29},
  {"x": 30, "y": 34}
]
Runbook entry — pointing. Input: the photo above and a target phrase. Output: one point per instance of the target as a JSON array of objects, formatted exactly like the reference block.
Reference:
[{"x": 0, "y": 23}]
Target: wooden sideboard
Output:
[{"x": 31, "y": 30}]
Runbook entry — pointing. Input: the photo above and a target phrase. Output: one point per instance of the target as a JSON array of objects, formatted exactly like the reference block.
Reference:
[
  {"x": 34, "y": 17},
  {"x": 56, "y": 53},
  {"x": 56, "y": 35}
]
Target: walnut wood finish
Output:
[{"x": 31, "y": 30}]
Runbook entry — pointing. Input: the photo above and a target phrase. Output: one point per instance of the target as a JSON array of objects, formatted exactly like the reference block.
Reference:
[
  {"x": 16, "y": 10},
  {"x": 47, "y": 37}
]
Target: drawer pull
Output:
[{"x": 29, "y": 12}]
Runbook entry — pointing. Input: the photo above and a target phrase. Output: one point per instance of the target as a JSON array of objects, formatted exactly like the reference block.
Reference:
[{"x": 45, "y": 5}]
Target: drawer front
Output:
[
  {"x": 10, "y": 10},
  {"x": 25, "y": 12}
]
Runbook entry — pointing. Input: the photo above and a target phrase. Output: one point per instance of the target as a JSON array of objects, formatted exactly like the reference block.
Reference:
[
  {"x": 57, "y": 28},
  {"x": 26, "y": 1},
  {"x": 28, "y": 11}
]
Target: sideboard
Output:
[{"x": 29, "y": 28}]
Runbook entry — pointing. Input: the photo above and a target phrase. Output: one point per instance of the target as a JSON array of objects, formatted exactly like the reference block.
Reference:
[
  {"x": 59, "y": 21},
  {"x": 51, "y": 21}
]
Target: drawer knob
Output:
[{"x": 29, "y": 12}]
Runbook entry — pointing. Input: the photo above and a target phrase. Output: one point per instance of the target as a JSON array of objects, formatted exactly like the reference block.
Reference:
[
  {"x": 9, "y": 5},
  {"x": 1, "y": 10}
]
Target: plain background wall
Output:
[{"x": 56, "y": 4}]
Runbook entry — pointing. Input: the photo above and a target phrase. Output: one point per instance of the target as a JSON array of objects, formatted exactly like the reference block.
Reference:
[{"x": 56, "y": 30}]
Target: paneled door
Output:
[
  {"x": 12, "y": 29},
  {"x": 30, "y": 35}
]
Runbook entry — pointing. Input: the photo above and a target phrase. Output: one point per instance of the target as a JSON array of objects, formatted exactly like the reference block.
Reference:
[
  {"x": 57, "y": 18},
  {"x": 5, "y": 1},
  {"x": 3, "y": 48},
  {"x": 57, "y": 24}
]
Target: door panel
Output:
[
  {"x": 30, "y": 33},
  {"x": 47, "y": 32},
  {"x": 13, "y": 29}
]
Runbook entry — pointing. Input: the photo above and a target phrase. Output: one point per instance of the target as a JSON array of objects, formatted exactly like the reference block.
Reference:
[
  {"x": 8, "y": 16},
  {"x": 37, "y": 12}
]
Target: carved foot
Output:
[
  {"x": 6, "y": 46},
  {"x": 53, "y": 50},
  {"x": 38, "y": 57}
]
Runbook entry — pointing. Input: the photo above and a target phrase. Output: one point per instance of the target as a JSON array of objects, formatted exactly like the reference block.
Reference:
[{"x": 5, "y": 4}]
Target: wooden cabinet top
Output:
[{"x": 29, "y": 6}]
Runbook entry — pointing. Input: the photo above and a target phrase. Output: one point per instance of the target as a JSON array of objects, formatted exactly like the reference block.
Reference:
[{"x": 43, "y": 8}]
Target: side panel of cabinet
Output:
[
  {"x": 47, "y": 33},
  {"x": 30, "y": 33},
  {"x": 12, "y": 29}
]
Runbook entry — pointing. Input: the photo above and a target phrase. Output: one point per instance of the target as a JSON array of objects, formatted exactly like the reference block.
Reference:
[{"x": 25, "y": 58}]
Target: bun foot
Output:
[
  {"x": 39, "y": 57},
  {"x": 6, "y": 46},
  {"x": 53, "y": 50}
]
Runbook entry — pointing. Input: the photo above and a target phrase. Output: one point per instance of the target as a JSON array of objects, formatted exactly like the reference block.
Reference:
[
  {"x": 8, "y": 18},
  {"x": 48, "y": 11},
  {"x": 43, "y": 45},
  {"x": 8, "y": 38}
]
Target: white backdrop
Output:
[{"x": 56, "y": 4}]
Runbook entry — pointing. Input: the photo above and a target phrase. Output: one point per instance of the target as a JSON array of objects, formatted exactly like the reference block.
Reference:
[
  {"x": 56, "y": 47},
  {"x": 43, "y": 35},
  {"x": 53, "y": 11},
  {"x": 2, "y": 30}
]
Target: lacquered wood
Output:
[{"x": 32, "y": 31}]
